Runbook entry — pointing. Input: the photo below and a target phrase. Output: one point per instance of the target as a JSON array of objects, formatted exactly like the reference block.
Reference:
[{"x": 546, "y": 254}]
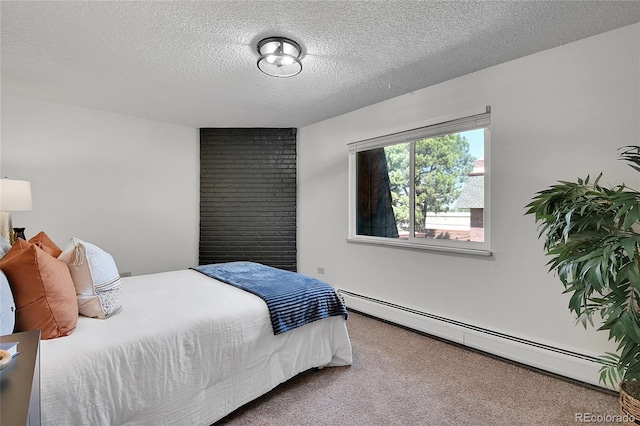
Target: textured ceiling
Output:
[{"x": 194, "y": 62}]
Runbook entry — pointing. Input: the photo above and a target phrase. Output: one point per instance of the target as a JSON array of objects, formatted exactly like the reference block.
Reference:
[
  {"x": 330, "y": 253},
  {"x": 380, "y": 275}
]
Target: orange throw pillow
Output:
[
  {"x": 43, "y": 290},
  {"x": 43, "y": 241}
]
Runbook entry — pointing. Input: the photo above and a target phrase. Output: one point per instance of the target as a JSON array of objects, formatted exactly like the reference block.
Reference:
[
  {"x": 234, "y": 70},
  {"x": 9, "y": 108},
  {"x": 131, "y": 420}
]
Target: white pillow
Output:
[
  {"x": 96, "y": 278},
  {"x": 7, "y": 307},
  {"x": 4, "y": 246}
]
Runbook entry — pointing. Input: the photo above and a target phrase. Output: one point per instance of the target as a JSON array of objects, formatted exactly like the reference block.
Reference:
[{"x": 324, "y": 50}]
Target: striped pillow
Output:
[{"x": 96, "y": 278}]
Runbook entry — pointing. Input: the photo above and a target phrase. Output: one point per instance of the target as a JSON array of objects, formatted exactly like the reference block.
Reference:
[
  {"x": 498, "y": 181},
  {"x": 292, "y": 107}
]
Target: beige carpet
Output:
[{"x": 400, "y": 377}]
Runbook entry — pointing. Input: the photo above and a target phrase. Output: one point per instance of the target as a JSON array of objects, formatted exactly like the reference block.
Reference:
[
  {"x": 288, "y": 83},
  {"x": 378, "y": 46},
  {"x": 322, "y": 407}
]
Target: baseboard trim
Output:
[{"x": 573, "y": 365}]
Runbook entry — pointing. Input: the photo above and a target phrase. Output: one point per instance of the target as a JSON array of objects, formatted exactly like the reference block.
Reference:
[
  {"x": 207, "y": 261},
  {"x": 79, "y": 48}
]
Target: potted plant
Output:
[{"x": 592, "y": 235}]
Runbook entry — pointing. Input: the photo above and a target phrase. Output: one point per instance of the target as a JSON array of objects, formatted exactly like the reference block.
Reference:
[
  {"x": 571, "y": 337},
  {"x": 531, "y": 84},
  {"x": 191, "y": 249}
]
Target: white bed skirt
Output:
[{"x": 184, "y": 350}]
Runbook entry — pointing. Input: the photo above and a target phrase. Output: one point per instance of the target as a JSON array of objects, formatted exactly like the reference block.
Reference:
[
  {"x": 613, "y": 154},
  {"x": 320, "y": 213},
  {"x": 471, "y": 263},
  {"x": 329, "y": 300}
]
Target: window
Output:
[{"x": 425, "y": 187}]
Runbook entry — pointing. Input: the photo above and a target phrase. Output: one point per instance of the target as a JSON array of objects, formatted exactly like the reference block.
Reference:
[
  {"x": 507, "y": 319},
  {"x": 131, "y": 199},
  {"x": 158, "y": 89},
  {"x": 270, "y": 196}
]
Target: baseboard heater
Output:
[{"x": 576, "y": 366}]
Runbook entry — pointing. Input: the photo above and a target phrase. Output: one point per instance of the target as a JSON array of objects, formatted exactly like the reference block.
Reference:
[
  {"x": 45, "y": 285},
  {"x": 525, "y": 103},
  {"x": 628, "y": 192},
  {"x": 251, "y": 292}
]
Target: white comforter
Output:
[{"x": 184, "y": 350}]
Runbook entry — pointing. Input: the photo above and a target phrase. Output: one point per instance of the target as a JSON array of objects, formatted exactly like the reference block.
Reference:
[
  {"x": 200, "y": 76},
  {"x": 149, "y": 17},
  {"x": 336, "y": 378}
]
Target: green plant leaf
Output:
[{"x": 593, "y": 246}]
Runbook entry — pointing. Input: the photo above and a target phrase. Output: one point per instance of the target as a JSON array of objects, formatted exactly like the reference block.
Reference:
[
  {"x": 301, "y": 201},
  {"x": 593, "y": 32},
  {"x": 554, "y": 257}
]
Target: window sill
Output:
[{"x": 417, "y": 246}]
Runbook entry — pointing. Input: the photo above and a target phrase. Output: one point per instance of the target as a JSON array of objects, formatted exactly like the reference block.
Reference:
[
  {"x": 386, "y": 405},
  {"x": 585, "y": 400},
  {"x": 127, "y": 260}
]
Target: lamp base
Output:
[{"x": 6, "y": 228}]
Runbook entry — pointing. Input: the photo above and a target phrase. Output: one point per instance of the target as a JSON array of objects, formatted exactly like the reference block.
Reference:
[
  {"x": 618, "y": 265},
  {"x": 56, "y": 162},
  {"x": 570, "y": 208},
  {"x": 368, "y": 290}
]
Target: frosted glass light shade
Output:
[{"x": 279, "y": 57}]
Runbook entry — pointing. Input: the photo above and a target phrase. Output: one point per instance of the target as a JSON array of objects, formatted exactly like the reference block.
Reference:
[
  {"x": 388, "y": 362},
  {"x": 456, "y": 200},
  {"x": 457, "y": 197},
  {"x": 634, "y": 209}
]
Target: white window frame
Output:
[{"x": 469, "y": 120}]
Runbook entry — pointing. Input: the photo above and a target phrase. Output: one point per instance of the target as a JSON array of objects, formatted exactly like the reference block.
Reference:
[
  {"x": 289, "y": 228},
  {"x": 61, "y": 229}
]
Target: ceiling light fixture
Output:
[{"x": 279, "y": 57}]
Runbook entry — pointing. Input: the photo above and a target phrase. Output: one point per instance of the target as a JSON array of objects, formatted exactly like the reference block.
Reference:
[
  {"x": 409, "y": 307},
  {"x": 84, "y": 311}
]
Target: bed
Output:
[{"x": 184, "y": 349}]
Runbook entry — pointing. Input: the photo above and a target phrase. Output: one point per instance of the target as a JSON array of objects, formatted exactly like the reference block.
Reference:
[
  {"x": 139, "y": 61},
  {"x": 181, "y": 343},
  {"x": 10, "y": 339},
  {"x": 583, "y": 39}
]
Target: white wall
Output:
[
  {"x": 128, "y": 185},
  {"x": 558, "y": 114}
]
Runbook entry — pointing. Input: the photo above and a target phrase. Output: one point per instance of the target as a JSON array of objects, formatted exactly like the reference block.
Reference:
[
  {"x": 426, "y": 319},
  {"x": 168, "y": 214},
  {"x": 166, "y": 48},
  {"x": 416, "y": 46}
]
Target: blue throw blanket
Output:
[{"x": 293, "y": 299}]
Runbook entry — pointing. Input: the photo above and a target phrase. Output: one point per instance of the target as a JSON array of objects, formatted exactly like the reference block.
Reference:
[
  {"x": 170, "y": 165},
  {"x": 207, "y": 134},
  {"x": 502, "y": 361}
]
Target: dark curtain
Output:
[{"x": 375, "y": 213}]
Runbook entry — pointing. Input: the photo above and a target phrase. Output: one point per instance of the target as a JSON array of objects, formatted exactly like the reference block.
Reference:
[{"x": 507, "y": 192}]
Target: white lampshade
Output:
[{"x": 15, "y": 195}]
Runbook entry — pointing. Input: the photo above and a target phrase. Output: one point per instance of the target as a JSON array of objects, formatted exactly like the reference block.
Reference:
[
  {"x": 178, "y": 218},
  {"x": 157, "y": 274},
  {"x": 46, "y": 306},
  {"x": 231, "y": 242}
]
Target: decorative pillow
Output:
[
  {"x": 7, "y": 307},
  {"x": 96, "y": 278},
  {"x": 43, "y": 241},
  {"x": 42, "y": 289}
]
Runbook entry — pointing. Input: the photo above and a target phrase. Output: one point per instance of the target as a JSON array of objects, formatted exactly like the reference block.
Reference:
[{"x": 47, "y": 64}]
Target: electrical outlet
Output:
[{"x": 320, "y": 270}]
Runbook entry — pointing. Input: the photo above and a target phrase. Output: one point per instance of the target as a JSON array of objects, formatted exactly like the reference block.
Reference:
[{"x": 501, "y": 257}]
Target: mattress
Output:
[{"x": 184, "y": 349}]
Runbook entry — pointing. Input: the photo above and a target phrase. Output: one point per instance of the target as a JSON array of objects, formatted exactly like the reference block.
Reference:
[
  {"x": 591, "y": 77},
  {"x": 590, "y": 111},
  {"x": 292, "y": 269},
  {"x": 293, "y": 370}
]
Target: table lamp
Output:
[{"x": 15, "y": 195}]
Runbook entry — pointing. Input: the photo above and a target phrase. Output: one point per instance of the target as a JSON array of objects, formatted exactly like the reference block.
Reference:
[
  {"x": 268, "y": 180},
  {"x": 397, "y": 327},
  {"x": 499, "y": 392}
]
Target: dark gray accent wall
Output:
[{"x": 248, "y": 196}]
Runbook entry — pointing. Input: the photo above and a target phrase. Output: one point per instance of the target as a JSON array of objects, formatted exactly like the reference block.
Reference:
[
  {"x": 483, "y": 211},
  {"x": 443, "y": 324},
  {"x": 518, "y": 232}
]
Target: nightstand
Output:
[{"x": 20, "y": 382}]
